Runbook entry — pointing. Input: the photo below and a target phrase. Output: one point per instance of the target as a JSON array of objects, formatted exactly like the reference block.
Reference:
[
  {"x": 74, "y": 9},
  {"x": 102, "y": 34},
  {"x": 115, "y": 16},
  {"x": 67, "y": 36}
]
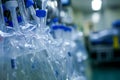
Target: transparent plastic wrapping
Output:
[
  {"x": 29, "y": 52},
  {"x": 2, "y": 22}
]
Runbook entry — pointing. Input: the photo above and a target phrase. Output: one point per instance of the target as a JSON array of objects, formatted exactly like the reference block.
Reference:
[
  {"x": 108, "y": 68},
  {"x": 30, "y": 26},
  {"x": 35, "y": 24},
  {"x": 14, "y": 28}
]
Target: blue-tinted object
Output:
[
  {"x": 40, "y": 13},
  {"x": 6, "y": 20},
  {"x": 33, "y": 66},
  {"x": 69, "y": 54},
  {"x": 10, "y": 23},
  {"x": 55, "y": 20},
  {"x": 65, "y": 2},
  {"x": 56, "y": 27},
  {"x": 116, "y": 24},
  {"x": 19, "y": 18},
  {"x": 56, "y": 73},
  {"x": 29, "y": 3},
  {"x": 13, "y": 65},
  {"x": 4, "y": 8},
  {"x": 107, "y": 41}
]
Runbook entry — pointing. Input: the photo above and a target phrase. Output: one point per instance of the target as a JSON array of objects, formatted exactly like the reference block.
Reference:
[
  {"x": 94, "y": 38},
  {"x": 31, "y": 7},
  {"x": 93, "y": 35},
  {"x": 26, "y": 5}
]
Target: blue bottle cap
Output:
[
  {"x": 55, "y": 27},
  {"x": 65, "y": 28},
  {"x": 19, "y": 18},
  {"x": 29, "y": 3},
  {"x": 40, "y": 13}
]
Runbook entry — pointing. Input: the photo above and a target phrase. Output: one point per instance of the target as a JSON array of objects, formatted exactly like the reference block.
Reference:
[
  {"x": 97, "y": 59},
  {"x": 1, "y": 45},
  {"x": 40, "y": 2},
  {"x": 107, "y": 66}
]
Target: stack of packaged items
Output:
[{"x": 28, "y": 51}]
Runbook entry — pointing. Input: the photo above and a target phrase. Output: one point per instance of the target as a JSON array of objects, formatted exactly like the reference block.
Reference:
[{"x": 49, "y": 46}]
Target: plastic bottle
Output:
[
  {"x": 12, "y": 5},
  {"x": 2, "y": 22},
  {"x": 29, "y": 5},
  {"x": 2, "y": 29},
  {"x": 23, "y": 11}
]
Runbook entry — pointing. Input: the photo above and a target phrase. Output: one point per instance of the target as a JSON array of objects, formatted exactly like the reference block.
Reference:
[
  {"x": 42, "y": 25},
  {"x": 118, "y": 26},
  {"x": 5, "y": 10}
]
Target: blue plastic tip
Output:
[
  {"x": 40, "y": 13},
  {"x": 13, "y": 65},
  {"x": 19, "y": 18},
  {"x": 29, "y": 3}
]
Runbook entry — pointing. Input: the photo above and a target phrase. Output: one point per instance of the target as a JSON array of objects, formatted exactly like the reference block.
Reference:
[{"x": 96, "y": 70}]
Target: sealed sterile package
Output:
[{"x": 28, "y": 50}]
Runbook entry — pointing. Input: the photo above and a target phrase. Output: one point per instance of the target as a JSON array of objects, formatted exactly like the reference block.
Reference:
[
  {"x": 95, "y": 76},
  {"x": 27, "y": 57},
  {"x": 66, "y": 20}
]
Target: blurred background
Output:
[{"x": 99, "y": 20}]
